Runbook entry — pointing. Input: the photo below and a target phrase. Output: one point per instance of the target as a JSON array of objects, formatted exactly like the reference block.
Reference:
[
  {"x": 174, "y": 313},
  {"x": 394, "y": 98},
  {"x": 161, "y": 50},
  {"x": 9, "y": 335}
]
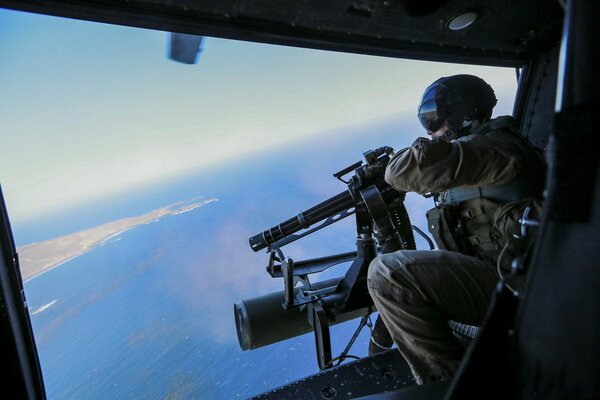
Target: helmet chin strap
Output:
[
  {"x": 448, "y": 136},
  {"x": 455, "y": 133}
]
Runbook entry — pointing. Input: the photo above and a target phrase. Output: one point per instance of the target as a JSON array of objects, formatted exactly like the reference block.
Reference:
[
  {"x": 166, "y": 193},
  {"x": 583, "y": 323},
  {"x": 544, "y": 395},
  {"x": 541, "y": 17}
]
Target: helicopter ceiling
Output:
[{"x": 494, "y": 32}]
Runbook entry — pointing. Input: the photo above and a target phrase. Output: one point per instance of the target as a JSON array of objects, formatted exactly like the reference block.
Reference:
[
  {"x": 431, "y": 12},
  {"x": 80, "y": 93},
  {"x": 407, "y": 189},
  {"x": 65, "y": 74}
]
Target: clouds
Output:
[
  {"x": 224, "y": 269},
  {"x": 113, "y": 119},
  {"x": 124, "y": 134}
]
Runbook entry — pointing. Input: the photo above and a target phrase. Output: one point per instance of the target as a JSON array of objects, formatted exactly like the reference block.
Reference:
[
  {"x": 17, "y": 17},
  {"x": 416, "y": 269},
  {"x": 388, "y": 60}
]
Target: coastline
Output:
[{"x": 40, "y": 257}]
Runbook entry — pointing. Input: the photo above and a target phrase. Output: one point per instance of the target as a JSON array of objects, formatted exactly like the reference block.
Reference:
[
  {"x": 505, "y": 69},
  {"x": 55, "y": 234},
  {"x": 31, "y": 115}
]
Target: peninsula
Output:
[{"x": 37, "y": 258}]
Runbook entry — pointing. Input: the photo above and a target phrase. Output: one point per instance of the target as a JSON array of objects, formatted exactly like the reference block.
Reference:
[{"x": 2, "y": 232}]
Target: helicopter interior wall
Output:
[
  {"x": 555, "y": 345},
  {"x": 559, "y": 328},
  {"x": 21, "y": 372},
  {"x": 537, "y": 107}
]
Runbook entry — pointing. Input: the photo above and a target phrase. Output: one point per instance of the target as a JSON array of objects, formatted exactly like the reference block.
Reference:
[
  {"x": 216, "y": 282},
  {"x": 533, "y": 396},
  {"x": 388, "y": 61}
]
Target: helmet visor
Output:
[{"x": 431, "y": 115}]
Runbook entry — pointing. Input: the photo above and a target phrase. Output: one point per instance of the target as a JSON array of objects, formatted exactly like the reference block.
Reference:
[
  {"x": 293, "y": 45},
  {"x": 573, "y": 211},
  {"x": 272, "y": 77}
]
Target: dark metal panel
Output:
[
  {"x": 370, "y": 27},
  {"x": 21, "y": 376},
  {"x": 383, "y": 372},
  {"x": 534, "y": 107},
  {"x": 552, "y": 350},
  {"x": 558, "y": 348},
  {"x": 430, "y": 391}
]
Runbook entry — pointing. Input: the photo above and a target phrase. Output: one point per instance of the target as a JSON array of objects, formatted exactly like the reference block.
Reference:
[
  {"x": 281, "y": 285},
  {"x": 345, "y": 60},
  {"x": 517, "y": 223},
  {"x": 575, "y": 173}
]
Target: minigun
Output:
[{"x": 382, "y": 226}]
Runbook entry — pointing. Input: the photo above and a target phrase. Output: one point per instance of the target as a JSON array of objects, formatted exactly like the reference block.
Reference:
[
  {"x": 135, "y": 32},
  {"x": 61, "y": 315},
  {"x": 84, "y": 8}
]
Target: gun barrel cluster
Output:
[{"x": 303, "y": 220}]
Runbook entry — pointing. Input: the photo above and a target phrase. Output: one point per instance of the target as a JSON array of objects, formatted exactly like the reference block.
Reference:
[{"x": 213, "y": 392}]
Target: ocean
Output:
[{"x": 149, "y": 313}]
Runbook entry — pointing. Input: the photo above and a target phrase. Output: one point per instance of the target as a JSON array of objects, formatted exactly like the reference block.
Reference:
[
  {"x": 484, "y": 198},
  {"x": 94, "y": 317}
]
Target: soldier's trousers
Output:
[{"x": 417, "y": 292}]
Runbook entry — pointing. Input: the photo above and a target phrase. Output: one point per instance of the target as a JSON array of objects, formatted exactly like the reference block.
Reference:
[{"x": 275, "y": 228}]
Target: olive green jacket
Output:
[{"x": 489, "y": 156}]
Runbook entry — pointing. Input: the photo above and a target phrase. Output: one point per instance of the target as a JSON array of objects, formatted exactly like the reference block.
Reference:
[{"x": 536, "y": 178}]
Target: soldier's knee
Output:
[
  {"x": 375, "y": 277},
  {"x": 376, "y": 271},
  {"x": 384, "y": 270}
]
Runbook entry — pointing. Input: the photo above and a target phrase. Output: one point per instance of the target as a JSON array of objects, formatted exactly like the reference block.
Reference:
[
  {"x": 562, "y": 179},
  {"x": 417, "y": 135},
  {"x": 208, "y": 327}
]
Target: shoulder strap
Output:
[{"x": 498, "y": 123}]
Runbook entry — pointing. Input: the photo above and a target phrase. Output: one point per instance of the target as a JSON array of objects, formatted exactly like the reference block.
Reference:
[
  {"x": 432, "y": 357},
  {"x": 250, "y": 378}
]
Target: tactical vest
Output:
[{"x": 479, "y": 221}]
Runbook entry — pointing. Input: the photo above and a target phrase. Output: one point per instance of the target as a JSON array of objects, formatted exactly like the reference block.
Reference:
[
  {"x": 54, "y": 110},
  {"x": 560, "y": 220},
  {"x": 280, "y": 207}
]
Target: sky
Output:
[{"x": 90, "y": 109}]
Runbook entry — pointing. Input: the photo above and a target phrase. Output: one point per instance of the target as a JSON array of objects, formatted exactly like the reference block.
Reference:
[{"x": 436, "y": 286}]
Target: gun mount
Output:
[{"x": 382, "y": 226}]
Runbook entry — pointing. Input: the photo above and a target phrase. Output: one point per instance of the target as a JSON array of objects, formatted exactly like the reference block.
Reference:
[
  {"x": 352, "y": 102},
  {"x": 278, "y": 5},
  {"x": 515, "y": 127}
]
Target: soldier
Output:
[{"x": 482, "y": 173}]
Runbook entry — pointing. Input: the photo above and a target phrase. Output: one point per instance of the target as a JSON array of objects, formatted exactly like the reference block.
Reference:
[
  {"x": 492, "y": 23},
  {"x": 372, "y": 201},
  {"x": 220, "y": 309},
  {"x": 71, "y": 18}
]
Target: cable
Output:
[
  {"x": 499, "y": 263},
  {"x": 366, "y": 320},
  {"x": 424, "y": 235},
  {"x": 341, "y": 359}
]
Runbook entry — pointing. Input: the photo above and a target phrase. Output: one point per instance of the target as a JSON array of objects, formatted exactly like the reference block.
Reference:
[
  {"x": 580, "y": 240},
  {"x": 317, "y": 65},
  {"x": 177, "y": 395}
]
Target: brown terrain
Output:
[{"x": 36, "y": 258}]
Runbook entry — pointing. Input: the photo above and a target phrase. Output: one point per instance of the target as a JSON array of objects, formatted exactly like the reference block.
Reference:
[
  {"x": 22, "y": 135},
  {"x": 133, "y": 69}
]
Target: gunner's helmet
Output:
[{"x": 458, "y": 99}]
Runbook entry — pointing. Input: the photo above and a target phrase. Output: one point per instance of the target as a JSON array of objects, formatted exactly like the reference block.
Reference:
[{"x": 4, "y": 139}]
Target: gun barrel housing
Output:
[
  {"x": 321, "y": 211},
  {"x": 262, "y": 321}
]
